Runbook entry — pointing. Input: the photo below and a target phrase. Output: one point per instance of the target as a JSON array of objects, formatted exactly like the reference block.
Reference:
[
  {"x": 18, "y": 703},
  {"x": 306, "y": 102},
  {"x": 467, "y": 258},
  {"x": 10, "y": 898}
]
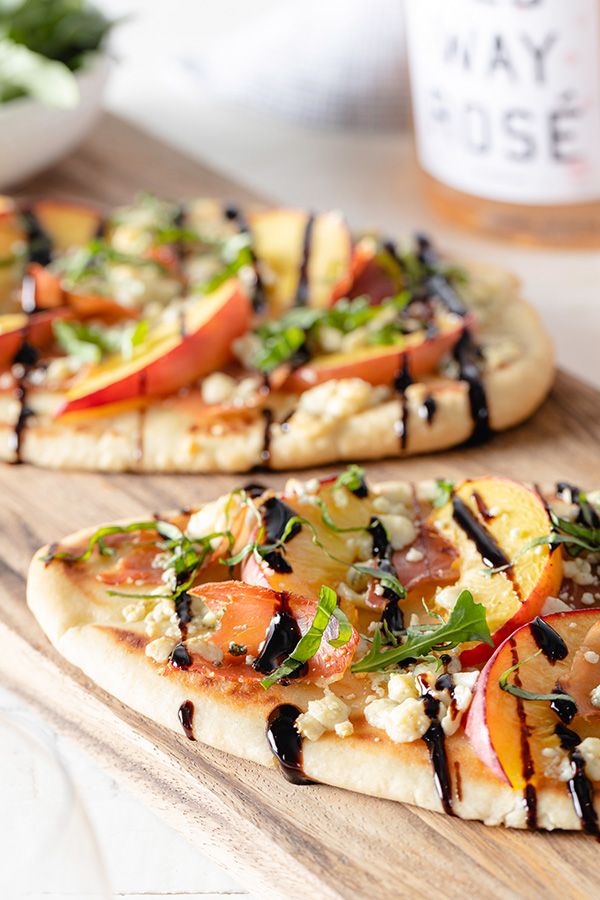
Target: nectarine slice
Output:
[
  {"x": 35, "y": 329},
  {"x": 311, "y": 566},
  {"x": 301, "y": 257},
  {"x": 176, "y": 352},
  {"x": 491, "y": 521},
  {"x": 67, "y": 225},
  {"x": 377, "y": 364},
  {"x": 246, "y": 613},
  {"x": 517, "y": 737}
]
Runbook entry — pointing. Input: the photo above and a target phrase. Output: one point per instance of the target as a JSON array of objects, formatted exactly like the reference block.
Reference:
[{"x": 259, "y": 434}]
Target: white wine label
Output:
[{"x": 506, "y": 96}]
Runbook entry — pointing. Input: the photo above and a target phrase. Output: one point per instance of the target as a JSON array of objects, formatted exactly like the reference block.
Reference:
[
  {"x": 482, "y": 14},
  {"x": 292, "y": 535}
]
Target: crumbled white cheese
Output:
[
  {"x": 344, "y": 729},
  {"x": 590, "y": 750},
  {"x": 414, "y": 555},
  {"x": 382, "y": 504},
  {"x": 360, "y": 546},
  {"x": 554, "y": 605},
  {"x": 580, "y": 571},
  {"x": 160, "y": 649},
  {"x": 587, "y": 598},
  {"x": 595, "y": 696},
  {"x": 338, "y": 399},
  {"x": 134, "y": 612},
  {"x": 447, "y": 597},
  {"x": 216, "y": 516},
  {"x": 217, "y": 388},
  {"x": 399, "y": 495},
  {"x": 558, "y": 764},
  {"x": 206, "y": 649},
  {"x": 402, "y": 722},
  {"x": 591, "y": 656},
  {"x": 402, "y": 686},
  {"x": 322, "y": 715},
  {"x": 399, "y": 529}
]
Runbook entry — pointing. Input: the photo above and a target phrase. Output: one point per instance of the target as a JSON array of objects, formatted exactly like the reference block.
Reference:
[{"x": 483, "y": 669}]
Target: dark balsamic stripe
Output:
[
  {"x": 282, "y": 638},
  {"x": 580, "y": 787},
  {"x": 528, "y": 767},
  {"x": 234, "y": 214},
  {"x": 286, "y": 743},
  {"x": 185, "y": 714},
  {"x": 402, "y": 382},
  {"x": 39, "y": 243},
  {"x": 435, "y": 740},
  {"x": 491, "y": 553},
  {"x": 265, "y": 453},
  {"x": 468, "y": 355},
  {"x": 430, "y": 407},
  {"x": 302, "y": 291},
  {"x": 548, "y": 640}
]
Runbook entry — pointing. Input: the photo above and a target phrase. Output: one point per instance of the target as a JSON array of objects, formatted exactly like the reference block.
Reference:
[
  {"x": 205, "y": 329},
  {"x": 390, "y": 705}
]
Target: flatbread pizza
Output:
[
  {"x": 201, "y": 338},
  {"x": 431, "y": 643}
]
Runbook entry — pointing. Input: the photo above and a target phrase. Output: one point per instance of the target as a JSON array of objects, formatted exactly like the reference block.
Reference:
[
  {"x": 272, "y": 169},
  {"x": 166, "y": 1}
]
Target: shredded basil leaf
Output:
[
  {"x": 353, "y": 478},
  {"x": 517, "y": 691},
  {"x": 444, "y": 492},
  {"x": 310, "y": 642},
  {"x": 91, "y": 343}
]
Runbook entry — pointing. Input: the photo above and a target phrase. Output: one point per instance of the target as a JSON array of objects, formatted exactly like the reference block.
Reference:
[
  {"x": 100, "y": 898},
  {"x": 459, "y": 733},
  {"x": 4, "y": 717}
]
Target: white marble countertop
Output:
[{"x": 372, "y": 178}]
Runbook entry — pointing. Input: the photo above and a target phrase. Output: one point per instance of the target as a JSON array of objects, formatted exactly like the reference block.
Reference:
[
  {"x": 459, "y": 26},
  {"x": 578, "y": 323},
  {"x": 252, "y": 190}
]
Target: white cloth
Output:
[{"x": 332, "y": 63}]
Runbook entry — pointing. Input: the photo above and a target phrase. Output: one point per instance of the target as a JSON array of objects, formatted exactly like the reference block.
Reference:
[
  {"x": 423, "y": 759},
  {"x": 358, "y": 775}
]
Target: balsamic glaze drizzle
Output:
[
  {"x": 491, "y": 553},
  {"x": 402, "y": 382},
  {"x": 430, "y": 408},
  {"x": 302, "y": 291},
  {"x": 39, "y": 244},
  {"x": 586, "y": 515},
  {"x": 480, "y": 503},
  {"x": 286, "y": 743},
  {"x": 282, "y": 637},
  {"x": 548, "y": 640},
  {"x": 275, "y": 515},
  {"x": 528, "y": 767},
  {"x": 254, "y": 489},
  {"x": 265, "y": 453},
  {"x": 185, "y": 714},
  {"x": 467, "y": 354},
  {"x": 392, "y": 616},
  {"x": 434, "y": 738},
  {"x": 234, "y": 214},
  {"x": 580, "y": 786}
]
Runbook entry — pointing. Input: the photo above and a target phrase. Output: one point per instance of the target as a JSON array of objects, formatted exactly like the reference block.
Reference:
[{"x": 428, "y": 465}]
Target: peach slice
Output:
[
  {"x": 35, "y": 329},
  {"x": 305, "y": 257},
  {"x": 509, "y": 734},
  {"x": 379, "y": 365},
  {"x": 170, "y": 358},
  {"x": 247, "y": 612},
  {"x": 490, "y": 521},
  {"x": 12, "y": 245},
  {"x": 312, "y": 566},
  {"x": 67, "y": 224}
]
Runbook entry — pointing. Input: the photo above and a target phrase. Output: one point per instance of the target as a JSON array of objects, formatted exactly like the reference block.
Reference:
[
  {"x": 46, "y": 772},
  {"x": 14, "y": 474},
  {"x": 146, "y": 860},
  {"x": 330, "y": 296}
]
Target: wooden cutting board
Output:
[{"x": 273, "y": 837}]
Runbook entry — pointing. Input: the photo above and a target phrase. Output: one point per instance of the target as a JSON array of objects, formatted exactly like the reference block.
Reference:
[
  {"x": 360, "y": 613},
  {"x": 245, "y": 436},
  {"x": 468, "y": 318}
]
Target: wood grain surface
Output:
[{"x": 275, "y": 838}]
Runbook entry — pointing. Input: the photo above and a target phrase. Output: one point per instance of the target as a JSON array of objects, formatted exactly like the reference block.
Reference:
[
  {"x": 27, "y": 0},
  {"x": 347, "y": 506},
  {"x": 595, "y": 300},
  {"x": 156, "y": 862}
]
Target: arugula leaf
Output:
[
  {"x": 91, "y": 343},
  {"x": 467, "y": 622},
  {"x": 517, "y": 691},
  {"x": 310, "y": 642}
]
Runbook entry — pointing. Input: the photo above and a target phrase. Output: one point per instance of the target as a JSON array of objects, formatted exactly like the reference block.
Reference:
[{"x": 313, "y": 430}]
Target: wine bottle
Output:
[{"x": 506, "y": 105}]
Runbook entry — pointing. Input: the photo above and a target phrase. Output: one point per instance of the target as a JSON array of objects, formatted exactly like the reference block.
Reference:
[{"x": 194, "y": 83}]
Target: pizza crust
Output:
[
  {"x": 87, "y": 628},
  {"x": 169, "y": 436}
]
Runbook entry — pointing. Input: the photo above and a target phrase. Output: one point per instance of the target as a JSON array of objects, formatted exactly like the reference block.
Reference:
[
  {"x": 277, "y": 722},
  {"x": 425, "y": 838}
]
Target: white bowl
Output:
[{"x": 33, "y": 136}]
